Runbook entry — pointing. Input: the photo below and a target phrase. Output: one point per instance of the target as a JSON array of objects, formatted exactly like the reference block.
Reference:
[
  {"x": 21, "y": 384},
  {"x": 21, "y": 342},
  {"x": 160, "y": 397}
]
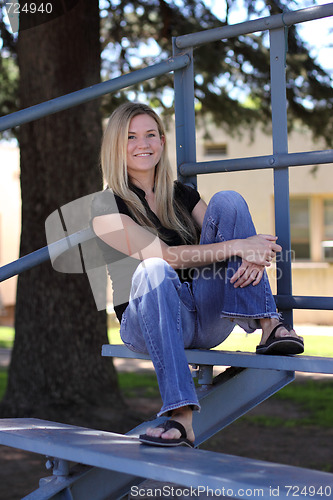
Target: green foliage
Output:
[
  {"x": 229, "y": 73},
  {"x": 8, "y": 86},
  {"x": 231, "y": 84},
  {"x": 9, "y": 73}
]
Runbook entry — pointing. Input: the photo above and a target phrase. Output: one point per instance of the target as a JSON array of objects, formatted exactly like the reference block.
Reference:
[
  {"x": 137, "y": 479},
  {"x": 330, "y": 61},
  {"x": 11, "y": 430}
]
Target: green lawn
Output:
[
  {"x": 3, "y": 382},
  {"x": 314, "y": 396},
  {"x": 6, "y": 337},
  {"x": 315, "y": 345}
]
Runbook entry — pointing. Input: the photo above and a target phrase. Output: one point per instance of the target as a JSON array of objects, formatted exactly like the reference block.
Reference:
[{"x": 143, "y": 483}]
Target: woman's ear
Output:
[{"x": 162, "y": 140}]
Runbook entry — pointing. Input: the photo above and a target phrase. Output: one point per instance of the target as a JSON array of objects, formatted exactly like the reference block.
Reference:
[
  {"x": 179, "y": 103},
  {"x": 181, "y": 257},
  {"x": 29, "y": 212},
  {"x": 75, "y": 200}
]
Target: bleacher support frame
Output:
[{"x": 109, "y": 464}]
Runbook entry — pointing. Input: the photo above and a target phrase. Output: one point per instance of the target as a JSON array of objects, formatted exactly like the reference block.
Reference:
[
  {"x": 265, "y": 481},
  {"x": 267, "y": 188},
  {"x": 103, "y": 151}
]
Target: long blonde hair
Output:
[{"x": 114, "y": 166}]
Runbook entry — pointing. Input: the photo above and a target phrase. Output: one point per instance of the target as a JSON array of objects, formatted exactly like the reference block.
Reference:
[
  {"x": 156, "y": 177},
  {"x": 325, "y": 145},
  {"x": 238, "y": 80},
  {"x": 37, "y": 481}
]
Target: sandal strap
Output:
[
  {"x": 173, "y": 424},
  {"x": 279, "y": 325}
]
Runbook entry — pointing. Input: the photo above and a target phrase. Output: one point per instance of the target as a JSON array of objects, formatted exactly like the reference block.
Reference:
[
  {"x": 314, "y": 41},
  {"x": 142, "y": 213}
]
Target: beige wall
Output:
[
  {"x": 309, "y": 278},
  {"x": 10, "y": 216},
  {"x": 256, "y": 186}
]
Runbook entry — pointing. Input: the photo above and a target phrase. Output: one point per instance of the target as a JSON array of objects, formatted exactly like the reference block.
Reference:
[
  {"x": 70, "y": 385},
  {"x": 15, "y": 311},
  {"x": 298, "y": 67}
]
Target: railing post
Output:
[
  {"x": 281, "y": 175},
  {"x": 184, "y": 114}
]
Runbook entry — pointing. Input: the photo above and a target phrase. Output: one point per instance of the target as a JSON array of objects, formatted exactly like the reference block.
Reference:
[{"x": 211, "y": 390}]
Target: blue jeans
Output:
[{"x": 164, "y": 315}]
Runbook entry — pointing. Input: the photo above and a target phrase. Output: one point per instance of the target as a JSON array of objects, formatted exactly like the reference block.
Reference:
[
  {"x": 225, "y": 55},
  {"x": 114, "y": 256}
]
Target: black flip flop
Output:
[
  {"x": 281, "y": 345},
  {"x": 158, "y": 441}
]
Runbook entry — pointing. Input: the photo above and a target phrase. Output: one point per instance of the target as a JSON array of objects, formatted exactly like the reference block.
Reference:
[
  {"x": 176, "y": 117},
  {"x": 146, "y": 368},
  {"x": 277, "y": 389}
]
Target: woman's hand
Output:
[
  {"x": 259, "y": 249},
  {"x": 246, "y": 274}
]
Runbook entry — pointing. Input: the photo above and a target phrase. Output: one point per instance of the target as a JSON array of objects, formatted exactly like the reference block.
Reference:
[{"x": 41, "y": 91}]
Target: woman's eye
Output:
[{"x": 131, "y": 137}]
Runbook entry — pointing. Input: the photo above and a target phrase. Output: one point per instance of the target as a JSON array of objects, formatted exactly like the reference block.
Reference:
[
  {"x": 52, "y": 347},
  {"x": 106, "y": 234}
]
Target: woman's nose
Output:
[{"x": 143, "y": 142}]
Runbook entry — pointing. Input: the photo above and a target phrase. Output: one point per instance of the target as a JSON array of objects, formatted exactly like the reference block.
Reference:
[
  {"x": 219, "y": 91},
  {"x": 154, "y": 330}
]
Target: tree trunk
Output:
[{"x": 57, "y": 370}]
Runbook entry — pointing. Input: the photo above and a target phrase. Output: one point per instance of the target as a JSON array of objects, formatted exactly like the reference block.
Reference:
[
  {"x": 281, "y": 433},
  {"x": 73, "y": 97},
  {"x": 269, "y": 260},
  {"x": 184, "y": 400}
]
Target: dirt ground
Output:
[{"x": 309, "y": 447}]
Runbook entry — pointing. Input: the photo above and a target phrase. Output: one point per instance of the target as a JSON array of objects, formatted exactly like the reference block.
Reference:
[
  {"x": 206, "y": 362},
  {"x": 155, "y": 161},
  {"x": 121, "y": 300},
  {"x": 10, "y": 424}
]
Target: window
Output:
[
  {"x": 300, "y": 228},
  {"x": 215, "y": 149},
  {"x": 328, "y": 230},
  {"x": 311, "y": 228}
]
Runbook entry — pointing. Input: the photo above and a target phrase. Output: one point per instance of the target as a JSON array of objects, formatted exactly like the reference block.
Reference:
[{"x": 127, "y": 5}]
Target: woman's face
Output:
[{"x": 145, "y": 146}]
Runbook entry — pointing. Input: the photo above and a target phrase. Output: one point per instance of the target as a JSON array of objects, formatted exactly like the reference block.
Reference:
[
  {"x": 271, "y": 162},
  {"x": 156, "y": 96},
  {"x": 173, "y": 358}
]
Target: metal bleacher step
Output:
[
  {"x": 237, "y": 390},
  {"x": 193, "y": 468},
  {"x": 309, "y": 364}
]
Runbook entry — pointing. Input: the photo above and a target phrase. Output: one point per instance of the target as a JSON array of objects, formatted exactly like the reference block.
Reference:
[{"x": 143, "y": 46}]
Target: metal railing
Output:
[{"x": 187, "y": 166}]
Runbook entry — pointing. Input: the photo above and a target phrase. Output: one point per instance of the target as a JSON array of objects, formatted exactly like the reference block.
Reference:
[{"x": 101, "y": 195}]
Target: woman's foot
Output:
[
  {"x": 182, "y": 415},
  {"x": 268, "y": 324},
  {"x": 278, "y": 339}
]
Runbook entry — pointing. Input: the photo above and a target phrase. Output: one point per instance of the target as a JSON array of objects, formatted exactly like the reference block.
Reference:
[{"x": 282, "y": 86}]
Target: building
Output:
[{"x": 10, "y": 222}]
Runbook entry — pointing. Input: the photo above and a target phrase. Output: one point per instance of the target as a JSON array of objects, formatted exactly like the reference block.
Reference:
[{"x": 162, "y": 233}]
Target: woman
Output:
[{"x": 193, "y": 271}]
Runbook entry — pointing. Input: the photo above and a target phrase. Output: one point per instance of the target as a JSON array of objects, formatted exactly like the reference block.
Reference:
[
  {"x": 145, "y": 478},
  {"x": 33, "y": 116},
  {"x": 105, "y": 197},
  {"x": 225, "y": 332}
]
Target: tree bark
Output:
[{"x": 57, "y": 369}]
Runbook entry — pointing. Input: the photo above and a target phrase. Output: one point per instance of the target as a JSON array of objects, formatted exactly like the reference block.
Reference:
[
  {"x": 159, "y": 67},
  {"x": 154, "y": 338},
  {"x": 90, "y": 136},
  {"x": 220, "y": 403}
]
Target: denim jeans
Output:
[{"x": 164, "y": 315}]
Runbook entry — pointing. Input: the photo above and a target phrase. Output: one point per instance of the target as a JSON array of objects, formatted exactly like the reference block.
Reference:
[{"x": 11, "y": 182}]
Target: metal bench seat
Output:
[
  {"x": 184, "y": 466},
  {"x": 310, "y": 364}
]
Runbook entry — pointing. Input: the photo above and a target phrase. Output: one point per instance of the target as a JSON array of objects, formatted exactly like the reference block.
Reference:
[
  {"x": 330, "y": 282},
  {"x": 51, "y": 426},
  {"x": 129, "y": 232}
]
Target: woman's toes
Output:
[
  {"x": 154, "y": 431},
  {"x": 289, "y": 333},
  {"x": 171, "y": 434}
]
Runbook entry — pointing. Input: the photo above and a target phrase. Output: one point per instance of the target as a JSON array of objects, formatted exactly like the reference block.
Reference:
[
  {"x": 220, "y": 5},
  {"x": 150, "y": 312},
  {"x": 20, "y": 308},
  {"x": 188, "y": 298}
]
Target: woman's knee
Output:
[
  {"x": 154, "y": 266},
  {"x": 227, "y": 197},
  {"x": 228, "y": 203},
  {"x": 149, "y": 274}
]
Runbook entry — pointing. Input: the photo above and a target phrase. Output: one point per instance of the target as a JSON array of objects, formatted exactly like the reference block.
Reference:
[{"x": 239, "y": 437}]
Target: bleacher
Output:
[{"x": 109, "y": 464}]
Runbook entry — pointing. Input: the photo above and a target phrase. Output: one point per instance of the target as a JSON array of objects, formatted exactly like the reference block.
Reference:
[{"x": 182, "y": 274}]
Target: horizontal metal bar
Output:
[
  {"x": 43, "y": 254},
  {"x": 257, "y": 162},
  {"x": 93, "y": 92},
  {"x": 24, "y": 263},
  {"x": 303, "y": 302},
  {"x": 262, "y": 24}
]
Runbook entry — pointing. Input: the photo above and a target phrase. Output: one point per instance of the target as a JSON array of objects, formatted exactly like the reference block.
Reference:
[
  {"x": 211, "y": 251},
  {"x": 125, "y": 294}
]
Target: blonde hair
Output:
[{"x": 114, "y": 166}]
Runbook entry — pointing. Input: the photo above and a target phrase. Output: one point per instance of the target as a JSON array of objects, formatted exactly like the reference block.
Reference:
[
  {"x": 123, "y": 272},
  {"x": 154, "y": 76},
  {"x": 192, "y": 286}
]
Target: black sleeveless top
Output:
[{"x": 120, "y": 266}]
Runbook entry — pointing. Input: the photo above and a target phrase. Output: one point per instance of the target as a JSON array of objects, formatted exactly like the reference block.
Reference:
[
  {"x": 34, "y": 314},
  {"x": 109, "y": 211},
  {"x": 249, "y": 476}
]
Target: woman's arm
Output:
[
  {"x": 198, "y": 212},
  {"x": 122, "y": 233},
  {"x": 247, "y": 273}
]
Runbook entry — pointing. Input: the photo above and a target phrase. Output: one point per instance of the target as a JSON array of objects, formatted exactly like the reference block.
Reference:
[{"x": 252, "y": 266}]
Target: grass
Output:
[
  {"x": 3, "y": 382},
  {"x": 138, "y": 384},
  {"x": 315, "y": 345},
  {"x": 6, "y": 337},
  {"x": 315, "y": 397}
]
